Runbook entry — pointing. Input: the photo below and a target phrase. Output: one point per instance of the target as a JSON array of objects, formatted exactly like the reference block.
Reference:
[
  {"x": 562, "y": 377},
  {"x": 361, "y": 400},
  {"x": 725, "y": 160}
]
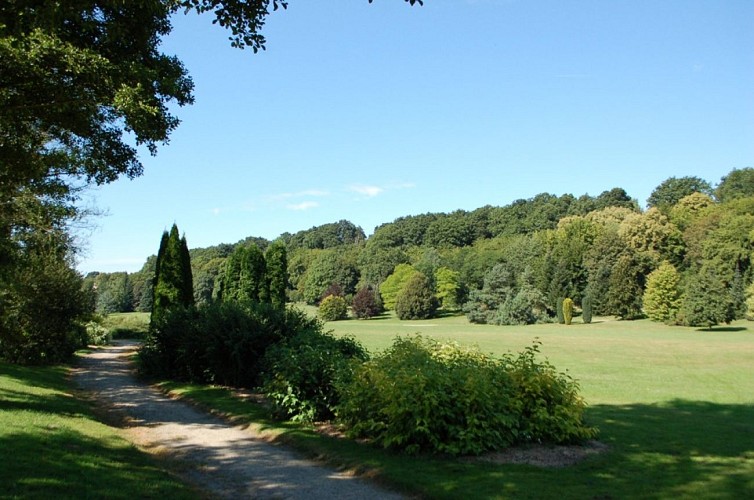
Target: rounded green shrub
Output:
[
  {"x": 422, "y": 395},
  {"x": 416, "y": 300},
  {"x": 333, "y": 308},
  {"x": 301, "y": 372}
]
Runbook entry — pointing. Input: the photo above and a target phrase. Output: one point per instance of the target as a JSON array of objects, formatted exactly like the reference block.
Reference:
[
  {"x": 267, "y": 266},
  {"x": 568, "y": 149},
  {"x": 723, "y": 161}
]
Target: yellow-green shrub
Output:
[{"x": 421, "y": 395}]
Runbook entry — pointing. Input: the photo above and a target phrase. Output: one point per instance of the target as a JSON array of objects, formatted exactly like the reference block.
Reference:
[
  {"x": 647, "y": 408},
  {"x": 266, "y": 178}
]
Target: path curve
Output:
[{"x": 223, "y": 459}]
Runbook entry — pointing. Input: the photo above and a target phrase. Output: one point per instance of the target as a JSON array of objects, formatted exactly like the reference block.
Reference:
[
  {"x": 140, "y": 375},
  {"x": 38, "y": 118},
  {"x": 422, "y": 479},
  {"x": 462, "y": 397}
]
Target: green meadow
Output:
[{"x": 675, "y": 407}]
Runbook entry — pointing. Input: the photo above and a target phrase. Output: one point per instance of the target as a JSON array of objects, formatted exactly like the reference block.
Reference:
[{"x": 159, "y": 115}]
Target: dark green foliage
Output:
[
  {"x": 626, "y": 288},
  {"x": 673, "y": 189},
  {"x": 333, "y": 308},
  {"x": 739, "y": 183},
  {"x": 586, "y": 309},
  {"x": 525, "y": 308},
  {"x": 559, "y": 312},
  {"x": 302, "y": 372},
  {"x": 114, "y": 293},
  {"x": 222, "y": 343},
  {"x": 567, "y": 311},
  {"x": 416, "y": 300},
  {"x": 325, "y": 236},
  {"x": 707, "y": 301},
  {"x": 173, "y": 283},
  {"x": 499, "y": 286},
  {"x": 245, "y": 277},
  {"x": 331, "y": 266},
  {"x": 276, "y": 258},
  {"x": 44, "y": 310},
  {"x": 420, "y": 395},
  {"x": 452, "y": 230},
  {"x": 366, "y": 303}
]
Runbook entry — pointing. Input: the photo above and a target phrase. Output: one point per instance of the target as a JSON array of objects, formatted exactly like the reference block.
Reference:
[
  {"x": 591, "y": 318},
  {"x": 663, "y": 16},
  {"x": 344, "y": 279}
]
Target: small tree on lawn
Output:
[
  {"x": 567, "y": 311},
  {"x": 366, "y": 303},
  {"x": 333, "y": 308},
  {"x": 662, "y": 297},
  {"x": 586, "y": 309},
  {"x": 416, "y": 300},
  {"x": 707, "y": 301}
]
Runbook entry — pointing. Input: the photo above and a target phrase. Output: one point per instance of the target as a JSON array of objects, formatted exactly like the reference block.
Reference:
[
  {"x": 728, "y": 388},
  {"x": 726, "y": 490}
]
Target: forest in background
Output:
[{"x": 690, "y": 252}]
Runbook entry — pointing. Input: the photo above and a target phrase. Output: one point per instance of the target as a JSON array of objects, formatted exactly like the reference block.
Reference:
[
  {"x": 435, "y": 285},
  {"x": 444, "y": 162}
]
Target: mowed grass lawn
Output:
[
  {"x": 674, "y": 404},
  {"x": 52, "y": 446}
]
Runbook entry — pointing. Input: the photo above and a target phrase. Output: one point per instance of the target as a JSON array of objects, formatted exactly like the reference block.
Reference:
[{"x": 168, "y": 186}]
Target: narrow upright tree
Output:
[
  {"x": 173, "y": 286},
  {"x": 276, "y": 258}
]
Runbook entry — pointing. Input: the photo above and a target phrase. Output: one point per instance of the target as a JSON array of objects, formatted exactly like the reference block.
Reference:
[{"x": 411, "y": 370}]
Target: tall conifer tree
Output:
[
  {"x": 173, "y": 285},
  {"x": 277, "y": 273}
]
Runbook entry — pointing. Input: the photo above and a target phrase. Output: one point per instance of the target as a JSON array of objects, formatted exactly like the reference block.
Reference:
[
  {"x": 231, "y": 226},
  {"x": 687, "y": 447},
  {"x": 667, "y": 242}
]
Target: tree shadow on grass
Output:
[
  {"x": 722, "y": 329},
  {"x": 688, "y": 449},
  {"x": 56, "y": 462}
]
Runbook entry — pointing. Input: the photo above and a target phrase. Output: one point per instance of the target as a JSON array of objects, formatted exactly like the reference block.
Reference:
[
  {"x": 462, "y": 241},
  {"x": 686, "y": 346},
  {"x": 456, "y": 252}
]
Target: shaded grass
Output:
[{"x": 51, "y": 445}]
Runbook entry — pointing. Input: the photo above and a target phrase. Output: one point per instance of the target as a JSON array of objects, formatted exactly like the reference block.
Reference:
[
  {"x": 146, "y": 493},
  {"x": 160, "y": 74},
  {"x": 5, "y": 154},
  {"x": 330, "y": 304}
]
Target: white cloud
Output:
[
  {"x": 305, "y": 205},
  {"x": 307, "y": 192},
  {"x": 368, "y": 191}
]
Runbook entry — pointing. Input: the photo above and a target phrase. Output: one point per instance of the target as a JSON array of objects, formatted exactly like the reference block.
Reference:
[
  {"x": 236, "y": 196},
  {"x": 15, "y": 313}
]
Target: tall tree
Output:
[
  {"x": 245, "y": 276},
  {"x": 173, "y": 285},
  {"x": 277, "y": 273},
  {"x": 739, "y": 183},
  {"x": 662, "y": 297},
  {"x": 671, "y": 190}
]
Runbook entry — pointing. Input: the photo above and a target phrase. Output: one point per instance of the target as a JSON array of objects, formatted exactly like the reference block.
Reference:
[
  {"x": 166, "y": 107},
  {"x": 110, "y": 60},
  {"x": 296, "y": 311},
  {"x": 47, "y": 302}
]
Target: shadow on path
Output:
[{"x": 226, "y": 460}]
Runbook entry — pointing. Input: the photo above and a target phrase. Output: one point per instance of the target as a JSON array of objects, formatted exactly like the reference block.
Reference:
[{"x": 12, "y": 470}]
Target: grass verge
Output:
[{"x": 52, "y": 446}]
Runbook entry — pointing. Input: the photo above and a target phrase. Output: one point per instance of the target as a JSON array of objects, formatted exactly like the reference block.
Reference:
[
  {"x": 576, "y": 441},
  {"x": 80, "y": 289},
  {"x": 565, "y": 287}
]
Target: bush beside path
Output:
[{"x": 226, "y": 460}]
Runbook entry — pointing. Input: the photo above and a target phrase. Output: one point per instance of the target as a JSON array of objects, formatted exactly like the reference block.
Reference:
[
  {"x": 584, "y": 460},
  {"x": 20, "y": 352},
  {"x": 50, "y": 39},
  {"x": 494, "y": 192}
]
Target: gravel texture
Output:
[{"x": 225, "y": 460}]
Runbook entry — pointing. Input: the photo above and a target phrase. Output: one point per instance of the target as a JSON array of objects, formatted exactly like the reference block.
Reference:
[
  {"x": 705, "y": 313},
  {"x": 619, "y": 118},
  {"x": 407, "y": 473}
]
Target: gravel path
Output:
[{"x": 223, "y": 459}]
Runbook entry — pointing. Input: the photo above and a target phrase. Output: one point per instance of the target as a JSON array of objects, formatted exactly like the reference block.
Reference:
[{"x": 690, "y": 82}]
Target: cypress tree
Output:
[
  {"x": 559, "y": 310},
  {"x": 586, "y": 310},
  {"x": 277, "y": 273},
  {"x": 567, "y": 311},
  {"x": 173, "y": 285},
  {"x": 245, "y": 276}
]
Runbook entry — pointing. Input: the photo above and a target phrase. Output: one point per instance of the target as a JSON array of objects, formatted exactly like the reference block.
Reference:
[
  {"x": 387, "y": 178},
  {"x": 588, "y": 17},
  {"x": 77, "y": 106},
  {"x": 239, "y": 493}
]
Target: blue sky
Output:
[{"x": 369, "y": 112}]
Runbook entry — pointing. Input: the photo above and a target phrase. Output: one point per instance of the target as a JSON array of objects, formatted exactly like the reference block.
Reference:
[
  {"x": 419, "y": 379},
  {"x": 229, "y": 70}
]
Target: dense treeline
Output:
[{"x": 515, "y": 264}]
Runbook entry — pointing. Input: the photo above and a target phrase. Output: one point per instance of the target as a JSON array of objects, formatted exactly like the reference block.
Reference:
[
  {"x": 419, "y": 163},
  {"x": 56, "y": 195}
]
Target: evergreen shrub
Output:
[
  {"x": 567, "y": 311},
  {"x": 586, "y": 309}
]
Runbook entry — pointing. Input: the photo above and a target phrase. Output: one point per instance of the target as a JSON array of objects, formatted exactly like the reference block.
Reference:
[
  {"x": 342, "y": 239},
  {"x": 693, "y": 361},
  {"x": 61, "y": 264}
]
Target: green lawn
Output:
[
  {"x": 127, "y": 325},
  {"x": 52, "y": 446},
  {"x": 675, "y": 406}
]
